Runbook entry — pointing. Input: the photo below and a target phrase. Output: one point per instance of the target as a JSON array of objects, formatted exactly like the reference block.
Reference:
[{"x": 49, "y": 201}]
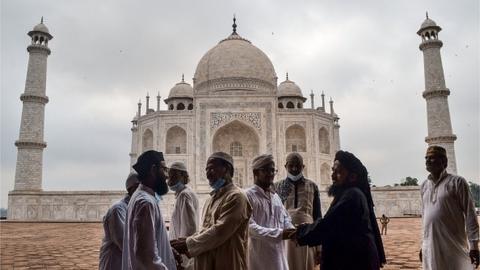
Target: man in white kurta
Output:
[
  {"x": 450, "y": 226},
  {"x": 184, "y": 221},
  {"x": 145, "y": 242},
  {"x": 113, "y": 226},
  {"x": 270, "y": 223}
]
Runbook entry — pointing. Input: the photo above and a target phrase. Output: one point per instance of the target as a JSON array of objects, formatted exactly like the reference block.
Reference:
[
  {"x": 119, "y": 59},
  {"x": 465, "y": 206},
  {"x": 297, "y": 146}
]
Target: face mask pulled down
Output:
[
  {"x": 295, "y": 178},
  {"x": 177, "y": 187},
  {"x": 217, "y": 184}
]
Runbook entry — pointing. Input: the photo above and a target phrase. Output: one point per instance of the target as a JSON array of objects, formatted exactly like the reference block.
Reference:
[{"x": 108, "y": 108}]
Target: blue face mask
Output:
[
  {"x": 177, "y": 187},
  {"x": 158, "y": 197},
  {"x": 217, "y": 184},
  {"x": 294, "y": 178}
]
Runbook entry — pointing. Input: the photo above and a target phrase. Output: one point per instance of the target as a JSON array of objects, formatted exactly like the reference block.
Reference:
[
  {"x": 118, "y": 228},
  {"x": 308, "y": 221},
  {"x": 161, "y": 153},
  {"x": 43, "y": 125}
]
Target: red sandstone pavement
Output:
[{"x": 76, "y": 245}]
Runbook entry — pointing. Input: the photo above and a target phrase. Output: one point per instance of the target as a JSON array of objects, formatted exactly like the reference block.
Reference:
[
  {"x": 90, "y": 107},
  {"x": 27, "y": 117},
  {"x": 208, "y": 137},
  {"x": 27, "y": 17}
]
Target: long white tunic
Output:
[
  {"x": 113, "y": 224},
  {"x": 184, "y": 222},
  {"x": 269, "y": 219},
  {"x": 448, "y": 220},
  {"x": 145, "y": 242}
]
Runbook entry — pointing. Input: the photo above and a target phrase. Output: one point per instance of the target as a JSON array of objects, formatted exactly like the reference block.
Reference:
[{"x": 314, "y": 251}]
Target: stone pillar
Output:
[
  {"x": 30, "y": 144},
  {"x": 436, "y": 93},
  {"x": 336, "y": 135},
  {"x": 312, "y": 100},
  {"x": 134, "y": 147}
]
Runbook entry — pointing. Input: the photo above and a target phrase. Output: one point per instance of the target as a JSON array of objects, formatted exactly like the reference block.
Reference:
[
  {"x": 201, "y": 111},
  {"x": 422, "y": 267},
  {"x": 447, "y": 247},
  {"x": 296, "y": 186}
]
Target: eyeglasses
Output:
[{"x": 269, "y": 170}]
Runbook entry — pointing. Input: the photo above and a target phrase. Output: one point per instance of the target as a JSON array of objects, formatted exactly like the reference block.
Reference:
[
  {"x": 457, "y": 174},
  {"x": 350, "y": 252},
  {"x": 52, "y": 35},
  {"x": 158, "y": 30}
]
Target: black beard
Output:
[
  {"x": 334, "y": 190},
  {"x": 162, "y": 187}
]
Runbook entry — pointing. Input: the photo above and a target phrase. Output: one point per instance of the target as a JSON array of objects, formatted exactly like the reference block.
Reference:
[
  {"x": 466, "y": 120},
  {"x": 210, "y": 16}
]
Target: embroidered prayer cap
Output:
[
  {"x": 437, "y": 150},
  {"x": 132, "y": 180},
  {"x": 261, "y": 161},
  {"x": 294, "y": 155},
  {"x": 179, "y": 166},
  {"x": 222, "y": 156},
  {"x": 146, "y": 160}
]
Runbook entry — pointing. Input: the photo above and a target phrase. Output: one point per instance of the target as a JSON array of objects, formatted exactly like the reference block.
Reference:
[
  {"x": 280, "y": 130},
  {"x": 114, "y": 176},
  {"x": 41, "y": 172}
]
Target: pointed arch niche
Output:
[
  {"x": 325, "y": 179},
  {"x": 242, "y": 142},
  {"x": 324, "y": 141},
  {"x": 147, "y": 140},
  {"x": 176, "y": 141},
  {"x": 295, "y": 140}
]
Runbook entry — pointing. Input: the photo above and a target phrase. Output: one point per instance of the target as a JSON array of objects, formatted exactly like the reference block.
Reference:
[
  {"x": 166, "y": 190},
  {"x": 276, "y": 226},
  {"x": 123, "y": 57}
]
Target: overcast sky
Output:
[{"x": 364, "y": 54}]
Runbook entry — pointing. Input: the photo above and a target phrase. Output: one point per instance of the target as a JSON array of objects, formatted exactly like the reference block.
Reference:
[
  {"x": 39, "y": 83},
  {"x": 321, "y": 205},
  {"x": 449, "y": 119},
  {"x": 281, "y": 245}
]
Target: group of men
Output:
[{"x": 274, "y": 225}]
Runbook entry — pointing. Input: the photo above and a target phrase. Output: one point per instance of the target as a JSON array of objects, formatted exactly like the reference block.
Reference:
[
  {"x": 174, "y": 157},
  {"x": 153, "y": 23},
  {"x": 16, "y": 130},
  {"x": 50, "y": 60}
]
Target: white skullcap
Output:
[
  {"x": 261, "y": 161},
  {"x": 223, "y": 156},
  {"x": 179, "y": 166}
]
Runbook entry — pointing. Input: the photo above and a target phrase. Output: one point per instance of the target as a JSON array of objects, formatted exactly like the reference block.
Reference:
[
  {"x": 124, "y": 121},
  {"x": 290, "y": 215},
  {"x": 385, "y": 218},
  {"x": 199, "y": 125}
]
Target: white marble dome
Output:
[
  {"x": 181, "y": 90},
  {"x": 289, "y": 89},
  {"x": 41, "y": 28},
  {"x": 234, "y": 62},
  {"x": 428, "y": 23}
]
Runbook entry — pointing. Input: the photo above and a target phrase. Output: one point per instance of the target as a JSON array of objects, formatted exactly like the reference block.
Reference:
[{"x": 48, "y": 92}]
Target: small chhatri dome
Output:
[
  {"x": 181, "y": 90},
  {"x": 232, "y": 62},
  {"x": 289, "y": 88},
  {"x": 428, "y": 23},
  {"x": 41, "y": 27}
]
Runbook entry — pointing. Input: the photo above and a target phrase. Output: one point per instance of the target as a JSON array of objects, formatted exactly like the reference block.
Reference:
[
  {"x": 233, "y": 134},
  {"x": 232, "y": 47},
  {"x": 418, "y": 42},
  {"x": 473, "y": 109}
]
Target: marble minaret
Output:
[
  {"x": 30, "y": 144},
  {"x": 436, "y": 93}
]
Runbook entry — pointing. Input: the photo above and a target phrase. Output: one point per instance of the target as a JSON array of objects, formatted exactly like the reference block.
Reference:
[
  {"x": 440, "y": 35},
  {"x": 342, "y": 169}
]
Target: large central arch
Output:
[{"x": 242, "y": 142}]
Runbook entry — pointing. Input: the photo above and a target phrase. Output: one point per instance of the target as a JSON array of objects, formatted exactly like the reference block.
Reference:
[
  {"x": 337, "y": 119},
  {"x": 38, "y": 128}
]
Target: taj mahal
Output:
[
  {"x": 235, "y": 103},
  {"x": 237, "y": 106}
]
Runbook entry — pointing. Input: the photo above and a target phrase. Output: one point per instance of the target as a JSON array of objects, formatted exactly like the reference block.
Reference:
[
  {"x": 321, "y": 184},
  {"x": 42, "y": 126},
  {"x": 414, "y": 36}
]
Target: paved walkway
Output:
[{"x": 76, "y": 245}]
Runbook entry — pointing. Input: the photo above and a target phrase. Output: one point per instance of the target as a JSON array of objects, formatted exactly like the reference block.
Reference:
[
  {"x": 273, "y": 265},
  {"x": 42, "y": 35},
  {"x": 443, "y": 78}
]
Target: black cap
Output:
[
  {"x": 146, "y": 160},
  {"x": 351, "y": 163}
]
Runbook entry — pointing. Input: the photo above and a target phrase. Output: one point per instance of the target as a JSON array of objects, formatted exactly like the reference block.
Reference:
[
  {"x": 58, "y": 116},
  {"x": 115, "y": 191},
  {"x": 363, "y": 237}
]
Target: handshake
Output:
[
  {"x": 289, "y": 234},
  {"x": 179, "y": 247}
]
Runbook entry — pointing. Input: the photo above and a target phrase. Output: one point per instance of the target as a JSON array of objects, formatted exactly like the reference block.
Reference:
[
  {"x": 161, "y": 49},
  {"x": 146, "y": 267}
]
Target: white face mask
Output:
[{"x": 295, "y": 178}]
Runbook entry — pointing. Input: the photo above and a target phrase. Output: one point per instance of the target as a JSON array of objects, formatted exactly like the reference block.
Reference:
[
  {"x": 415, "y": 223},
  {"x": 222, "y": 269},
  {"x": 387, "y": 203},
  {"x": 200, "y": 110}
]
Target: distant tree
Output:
[
  {"x": 409, "y": 181},
  {"x": 475, "y": 190}
]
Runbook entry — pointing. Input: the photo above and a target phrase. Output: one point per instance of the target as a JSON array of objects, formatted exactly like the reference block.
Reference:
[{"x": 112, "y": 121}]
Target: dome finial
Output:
[
  {"x": 287, "y": 77},
  {"x": 234, "y": 25},
  {"x": 41, "y": 20},
  {"x": 426, "y": 14},
  {"x": 183, "y": 78}
]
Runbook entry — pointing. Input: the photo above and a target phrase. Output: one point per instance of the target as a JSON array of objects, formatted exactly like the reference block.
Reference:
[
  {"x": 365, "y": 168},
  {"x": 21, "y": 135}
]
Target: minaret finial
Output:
[
  {"x": 41, "y": 20},
  {"x": 183, "y": 78},
  {"x": 287, "y": 76},
  {"x": 426, "y": 14},
  {"x": 234, "y": 25}
]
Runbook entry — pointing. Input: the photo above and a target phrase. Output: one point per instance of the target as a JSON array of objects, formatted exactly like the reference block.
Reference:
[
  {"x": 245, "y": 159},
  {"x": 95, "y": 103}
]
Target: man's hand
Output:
[
  {"x": 474, "y": 256},
  {"x": 178, "y": 259},
  {"x": 288, "y": 233},
  {"x": 180, "y": 245},
  {"x": 420, "y": 255}
]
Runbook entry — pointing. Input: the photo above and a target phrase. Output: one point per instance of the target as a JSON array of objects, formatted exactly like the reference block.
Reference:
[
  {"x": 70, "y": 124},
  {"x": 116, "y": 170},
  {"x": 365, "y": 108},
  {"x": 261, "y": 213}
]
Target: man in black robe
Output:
[{"x": 348, "y": 232}]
